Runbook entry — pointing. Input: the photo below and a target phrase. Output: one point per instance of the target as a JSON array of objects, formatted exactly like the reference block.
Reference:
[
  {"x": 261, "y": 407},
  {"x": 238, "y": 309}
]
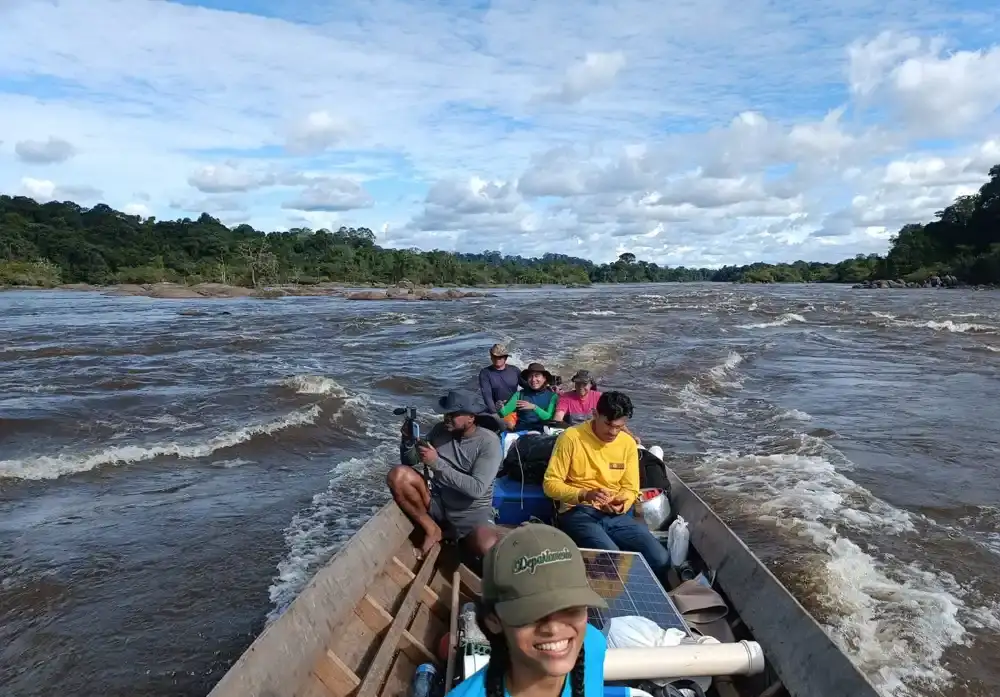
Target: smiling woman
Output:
[{"x": 534, "y": 613}]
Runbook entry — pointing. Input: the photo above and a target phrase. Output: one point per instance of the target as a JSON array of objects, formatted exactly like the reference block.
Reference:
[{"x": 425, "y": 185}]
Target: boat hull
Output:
[{"x": 374, "y": 612}]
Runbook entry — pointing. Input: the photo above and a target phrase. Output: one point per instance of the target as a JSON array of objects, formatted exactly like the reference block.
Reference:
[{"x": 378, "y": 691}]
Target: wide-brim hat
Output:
[
  {"x": 456, "y": 402},
  {"x": 499, "y": 351},
  {"x": 536, "y": 368},
  {"x": 582, "y": 376}
]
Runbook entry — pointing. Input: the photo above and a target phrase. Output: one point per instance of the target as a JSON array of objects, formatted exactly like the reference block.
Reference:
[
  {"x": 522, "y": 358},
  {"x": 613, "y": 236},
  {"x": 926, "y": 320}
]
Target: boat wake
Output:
[
  {"x": 355, "y": 492},
  {"x": 893, "y": 615},
  {"x": 333, "y": 516}
]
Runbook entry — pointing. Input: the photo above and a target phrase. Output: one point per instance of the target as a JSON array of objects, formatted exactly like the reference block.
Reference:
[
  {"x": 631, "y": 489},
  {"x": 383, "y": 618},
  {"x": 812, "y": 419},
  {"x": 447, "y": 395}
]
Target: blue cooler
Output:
[{"x": 515, "y": 502}]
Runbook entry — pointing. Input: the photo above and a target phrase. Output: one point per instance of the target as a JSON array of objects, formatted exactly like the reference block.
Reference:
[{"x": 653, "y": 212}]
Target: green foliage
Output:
[
  {"x": 964, "y": 241},
  {"x": 29, "y": 273},
  {"x": 61, "y": 242}
]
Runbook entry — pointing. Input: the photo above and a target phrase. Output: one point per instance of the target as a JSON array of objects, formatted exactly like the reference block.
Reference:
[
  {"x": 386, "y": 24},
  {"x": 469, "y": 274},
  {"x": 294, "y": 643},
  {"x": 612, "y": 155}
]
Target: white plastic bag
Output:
[
  {"x": 634, "y": 631},
  {"x": 656, "y": 511},
  {"x": 678, "y": 538}
]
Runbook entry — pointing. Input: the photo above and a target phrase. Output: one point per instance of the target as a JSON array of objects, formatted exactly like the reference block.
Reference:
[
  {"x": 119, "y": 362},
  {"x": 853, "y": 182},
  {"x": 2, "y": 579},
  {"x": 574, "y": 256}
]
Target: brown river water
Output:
[{"x": 169, "y": 481}]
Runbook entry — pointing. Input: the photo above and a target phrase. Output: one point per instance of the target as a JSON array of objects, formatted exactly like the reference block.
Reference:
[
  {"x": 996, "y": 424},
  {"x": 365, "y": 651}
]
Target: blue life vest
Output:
[{"x": 529, "y": 419}]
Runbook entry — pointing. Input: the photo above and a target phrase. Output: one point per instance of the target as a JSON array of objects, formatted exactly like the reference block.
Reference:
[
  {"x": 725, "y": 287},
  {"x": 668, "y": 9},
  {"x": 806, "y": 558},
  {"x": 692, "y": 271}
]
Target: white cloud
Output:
[
  {"x": 209, "y": 204},
  {"x": 331, "y": 194},
  {"x": 316, "y": 132},
  {"x": 936, "y": 94},
  {"x": 227, "y": 177},
  {"x": 693, "y": 132},
  {"x": 139, "y": 209},
  {"x": 596, "y": 72},
  {"x": 45, "y": 190},
  {"x": 44, "y": 152}
]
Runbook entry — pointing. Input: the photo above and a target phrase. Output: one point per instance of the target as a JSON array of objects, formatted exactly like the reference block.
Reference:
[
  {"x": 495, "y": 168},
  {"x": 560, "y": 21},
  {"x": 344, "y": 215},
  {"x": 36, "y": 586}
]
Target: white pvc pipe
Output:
[{"x": 684, "y": 660}]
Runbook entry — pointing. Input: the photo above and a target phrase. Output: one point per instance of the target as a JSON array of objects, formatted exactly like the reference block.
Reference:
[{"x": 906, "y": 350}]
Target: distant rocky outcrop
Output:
[
  {"x": 945, "y": 281},
  {"x": 414, "y": 294}
]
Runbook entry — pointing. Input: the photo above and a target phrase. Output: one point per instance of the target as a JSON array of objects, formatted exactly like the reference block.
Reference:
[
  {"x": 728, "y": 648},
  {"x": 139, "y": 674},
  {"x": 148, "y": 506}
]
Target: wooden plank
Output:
[
  {"x": 400, "y": 677},
  {"x": 355, "y": 642},
  {"x": 415, "y": 649},
  {"x": 449, "y": 675},
  {"x": 336, "y": 676},
  {"x": 372, "y": 683},
  {"x": 378, "y": 619},
  {"x": 801, "y": 653},
  {"x": 470, "y": 580},
  {"x": 403, "y": 576},
  {"x": 427, "y": 627},
  {"x": 442, "y": 589},
  {"x": 399, "y": 572},
  {"x": 281, "y": 660},
  {"x": 373, "y": 614}
]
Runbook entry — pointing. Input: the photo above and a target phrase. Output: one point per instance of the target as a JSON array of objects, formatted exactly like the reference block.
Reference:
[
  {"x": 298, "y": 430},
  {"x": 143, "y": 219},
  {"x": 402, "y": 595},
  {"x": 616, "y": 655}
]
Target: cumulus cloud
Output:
[
  {"x": 136, "y": 208},
  {"x": 228, "y": 177},
  {"x": 330, "y": 194},
  {"x": 316, "y": 132},
  {"x": 493, "y": 206},
  {"x": 596, "y": 72},
  {"x": 934, "y": 92},
  {"x": 45, "y": 190},
  {"x": 210, "y": 204},
  {"x": 686, "y": 133},
  {"x": 44, "y": 152}
]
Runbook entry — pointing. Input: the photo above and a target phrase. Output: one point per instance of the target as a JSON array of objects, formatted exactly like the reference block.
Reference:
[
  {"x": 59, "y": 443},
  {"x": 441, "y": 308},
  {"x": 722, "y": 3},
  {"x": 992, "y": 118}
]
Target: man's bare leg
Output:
[
  {"x": 481, "y": 539},
  {"x": 410, "y": 492}
]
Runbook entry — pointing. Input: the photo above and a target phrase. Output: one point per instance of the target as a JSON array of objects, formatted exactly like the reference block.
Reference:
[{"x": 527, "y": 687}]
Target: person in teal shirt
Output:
[
  {"x": 534, "y": 612},
  {"x": 535, "y": 403}
]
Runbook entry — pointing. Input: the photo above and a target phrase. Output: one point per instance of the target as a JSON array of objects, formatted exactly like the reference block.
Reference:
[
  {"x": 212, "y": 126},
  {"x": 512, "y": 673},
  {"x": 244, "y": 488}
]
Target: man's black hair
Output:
[{"x": 614, "y": 405}]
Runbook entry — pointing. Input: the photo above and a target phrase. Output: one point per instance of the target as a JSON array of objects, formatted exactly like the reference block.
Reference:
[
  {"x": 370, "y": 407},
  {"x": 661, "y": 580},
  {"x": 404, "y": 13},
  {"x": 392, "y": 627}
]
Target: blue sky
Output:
[{"x": 698, "y": 133}]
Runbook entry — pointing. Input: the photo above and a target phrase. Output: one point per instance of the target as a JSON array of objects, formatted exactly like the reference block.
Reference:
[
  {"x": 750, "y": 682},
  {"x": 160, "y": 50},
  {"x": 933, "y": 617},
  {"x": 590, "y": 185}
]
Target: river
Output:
[{"x": 173, "y": 472}]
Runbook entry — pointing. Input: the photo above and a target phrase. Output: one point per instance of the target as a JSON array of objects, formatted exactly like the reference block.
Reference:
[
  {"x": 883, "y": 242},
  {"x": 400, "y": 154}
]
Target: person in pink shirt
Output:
[{"x": 577, "y": 405}]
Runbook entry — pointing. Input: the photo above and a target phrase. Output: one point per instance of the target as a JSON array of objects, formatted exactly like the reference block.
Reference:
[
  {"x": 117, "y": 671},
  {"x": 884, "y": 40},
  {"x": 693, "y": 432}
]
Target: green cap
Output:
[{"x": 533, "y": 571}]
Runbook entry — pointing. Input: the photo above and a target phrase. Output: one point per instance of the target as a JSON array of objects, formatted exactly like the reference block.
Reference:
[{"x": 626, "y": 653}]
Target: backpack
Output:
[
  {"x": 652, "y": 472},
  {"x": 528, "y": 458}
]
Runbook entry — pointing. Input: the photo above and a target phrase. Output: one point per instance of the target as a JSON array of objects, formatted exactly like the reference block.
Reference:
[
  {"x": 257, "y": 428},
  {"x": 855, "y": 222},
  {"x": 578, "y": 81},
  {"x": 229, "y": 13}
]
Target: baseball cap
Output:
[
  {"x": 533, "y": 571},
  {"x": 498, "y": 351}
]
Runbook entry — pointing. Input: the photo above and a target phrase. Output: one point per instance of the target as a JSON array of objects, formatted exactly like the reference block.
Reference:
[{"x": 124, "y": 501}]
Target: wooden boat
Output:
[{"x": 374, "y": 613}]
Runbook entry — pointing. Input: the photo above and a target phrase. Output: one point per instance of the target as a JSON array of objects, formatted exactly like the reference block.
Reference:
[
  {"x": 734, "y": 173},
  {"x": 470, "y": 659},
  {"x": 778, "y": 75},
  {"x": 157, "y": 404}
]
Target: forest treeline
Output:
[{"x": 47, "y": 244}]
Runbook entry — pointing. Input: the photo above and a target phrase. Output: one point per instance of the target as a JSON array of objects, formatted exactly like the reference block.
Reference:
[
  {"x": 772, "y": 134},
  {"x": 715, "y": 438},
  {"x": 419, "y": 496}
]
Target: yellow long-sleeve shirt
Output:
[{"x": 581, "y": 461}]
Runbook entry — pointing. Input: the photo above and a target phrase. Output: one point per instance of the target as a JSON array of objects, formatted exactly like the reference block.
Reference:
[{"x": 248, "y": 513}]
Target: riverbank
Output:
[{"x": 177, "y": 291}]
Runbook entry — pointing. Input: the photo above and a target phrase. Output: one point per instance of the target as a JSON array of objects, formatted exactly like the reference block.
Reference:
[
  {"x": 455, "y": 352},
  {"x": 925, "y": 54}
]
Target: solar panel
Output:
[{"x": 627, "y": 583}]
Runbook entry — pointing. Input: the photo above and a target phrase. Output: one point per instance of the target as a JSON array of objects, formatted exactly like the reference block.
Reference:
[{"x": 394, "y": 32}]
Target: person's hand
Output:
[
  {"x": 615, "y": 505},
  {"x": 499, "y": 405},
  {"x": 428, "y": 455},
  {"x": 525, "y": 404},
  {"x": 597, "y": 497}
]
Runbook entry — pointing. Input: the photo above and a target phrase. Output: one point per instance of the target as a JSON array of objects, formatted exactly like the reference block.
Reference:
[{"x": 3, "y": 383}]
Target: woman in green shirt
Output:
[{"x": 534, "y": 404}]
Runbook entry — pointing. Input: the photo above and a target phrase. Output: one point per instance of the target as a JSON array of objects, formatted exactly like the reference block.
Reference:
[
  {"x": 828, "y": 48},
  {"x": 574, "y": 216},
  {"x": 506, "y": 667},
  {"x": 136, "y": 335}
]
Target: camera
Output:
[{"x": 411, "y": 421}]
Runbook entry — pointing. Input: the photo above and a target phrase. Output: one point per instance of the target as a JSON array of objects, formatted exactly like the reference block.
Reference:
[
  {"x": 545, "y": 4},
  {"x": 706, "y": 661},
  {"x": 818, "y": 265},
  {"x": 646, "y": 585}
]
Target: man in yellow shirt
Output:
[{"x": 593, "y": 475}]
